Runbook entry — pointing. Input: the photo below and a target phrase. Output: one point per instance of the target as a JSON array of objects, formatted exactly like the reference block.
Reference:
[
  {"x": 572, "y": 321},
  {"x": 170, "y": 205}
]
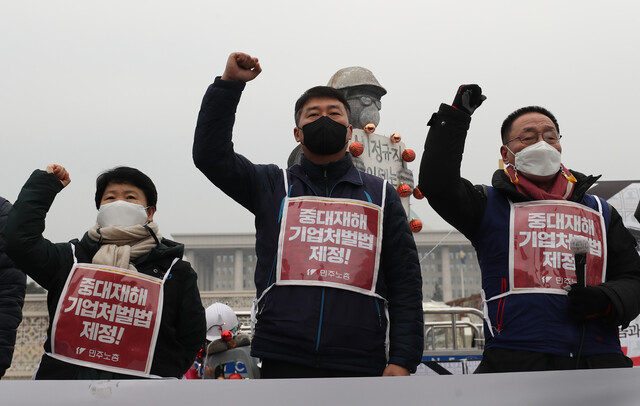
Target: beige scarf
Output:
[{"x": 120, "y": 245}]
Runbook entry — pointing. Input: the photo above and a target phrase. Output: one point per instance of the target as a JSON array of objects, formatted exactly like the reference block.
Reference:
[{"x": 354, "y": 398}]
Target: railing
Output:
[
  {"x": 454, "y": 325},
  {"x": 454, "y": 329},
  {"x": 244, "y": 318},
  {"x": 446, "y": 324}
]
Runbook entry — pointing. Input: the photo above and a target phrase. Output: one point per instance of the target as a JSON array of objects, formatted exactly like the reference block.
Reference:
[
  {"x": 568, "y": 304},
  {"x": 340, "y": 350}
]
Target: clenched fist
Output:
[
  {"x": 60, "y": 172},
  {"x": 241, "y": 67},
  {"x": 468, "y": 98}
]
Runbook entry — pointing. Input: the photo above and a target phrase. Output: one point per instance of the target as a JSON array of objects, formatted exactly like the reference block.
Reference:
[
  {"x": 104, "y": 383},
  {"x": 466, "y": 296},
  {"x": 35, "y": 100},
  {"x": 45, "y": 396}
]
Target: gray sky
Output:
[{"x": 96, "y": 84}]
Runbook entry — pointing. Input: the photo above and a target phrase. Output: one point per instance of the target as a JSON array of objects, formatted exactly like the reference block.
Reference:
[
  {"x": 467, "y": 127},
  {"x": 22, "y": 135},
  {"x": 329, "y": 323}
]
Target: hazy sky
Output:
[{"x": 96, "y": 84}]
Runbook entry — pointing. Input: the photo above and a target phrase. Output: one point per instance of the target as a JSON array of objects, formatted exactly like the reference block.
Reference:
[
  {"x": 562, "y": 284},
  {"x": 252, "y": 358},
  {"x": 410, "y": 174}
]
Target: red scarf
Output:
[{"x": 560, "y": 190}]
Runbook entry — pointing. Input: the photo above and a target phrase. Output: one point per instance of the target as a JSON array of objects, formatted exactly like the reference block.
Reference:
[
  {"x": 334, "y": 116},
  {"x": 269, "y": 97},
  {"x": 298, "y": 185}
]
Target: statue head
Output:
[{"x": 363, "y": 92}]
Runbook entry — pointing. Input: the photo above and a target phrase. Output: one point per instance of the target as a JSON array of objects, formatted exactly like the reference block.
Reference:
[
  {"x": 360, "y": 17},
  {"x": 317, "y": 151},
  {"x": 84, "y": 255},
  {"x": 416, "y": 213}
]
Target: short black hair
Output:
[
  {"x": 316, "y": 93},
  {"x": 508, "y": 122},
  {"x": 126, "y": 175}
]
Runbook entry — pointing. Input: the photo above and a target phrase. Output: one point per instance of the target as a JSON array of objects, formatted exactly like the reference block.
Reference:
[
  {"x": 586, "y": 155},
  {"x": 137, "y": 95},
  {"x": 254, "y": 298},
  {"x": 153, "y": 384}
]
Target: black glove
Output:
[
  {"x": 588, "y": 302},
  {"x": 468, "y": 98}
]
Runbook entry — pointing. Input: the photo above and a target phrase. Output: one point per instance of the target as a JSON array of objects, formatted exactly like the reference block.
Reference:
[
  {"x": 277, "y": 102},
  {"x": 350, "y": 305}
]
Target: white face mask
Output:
[
  {"x": 121, "y": 214},
  {"x": 540, "y": 159}
]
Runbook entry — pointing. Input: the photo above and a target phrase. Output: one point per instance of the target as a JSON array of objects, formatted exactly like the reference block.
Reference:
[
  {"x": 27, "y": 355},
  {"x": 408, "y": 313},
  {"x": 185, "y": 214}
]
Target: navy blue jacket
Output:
[
  {"x": 315, "y": 326},
  {"x": 534, "y": 321},
  {"x": 466, "y": 207}
]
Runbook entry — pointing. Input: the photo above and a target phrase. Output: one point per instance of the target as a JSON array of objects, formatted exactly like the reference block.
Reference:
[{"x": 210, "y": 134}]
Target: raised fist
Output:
[
  {"x": 241, "y": 67},
  {"x": 468, "y": 98},
  {"x": 60, "y": 173}
]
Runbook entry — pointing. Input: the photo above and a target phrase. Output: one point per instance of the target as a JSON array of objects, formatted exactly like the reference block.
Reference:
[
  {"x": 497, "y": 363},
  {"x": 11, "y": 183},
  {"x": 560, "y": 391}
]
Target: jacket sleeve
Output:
[
  {"x": 454, "y": 198},
  {"x": 404, "y": 285},
  {"x": 623, "y": 272},
  {"x": 12, "y": 291},
  {"x": 192, "y": 324},
  {"x": 36, "y": 256},
  {"x": 213, "y": 152}
]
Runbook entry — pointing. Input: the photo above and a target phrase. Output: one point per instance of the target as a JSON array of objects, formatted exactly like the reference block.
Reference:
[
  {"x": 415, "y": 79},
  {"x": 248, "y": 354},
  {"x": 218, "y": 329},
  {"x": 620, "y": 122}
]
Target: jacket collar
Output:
[
  {"x": 333, "y": 173},
  {"x": 502, "y": 182}
]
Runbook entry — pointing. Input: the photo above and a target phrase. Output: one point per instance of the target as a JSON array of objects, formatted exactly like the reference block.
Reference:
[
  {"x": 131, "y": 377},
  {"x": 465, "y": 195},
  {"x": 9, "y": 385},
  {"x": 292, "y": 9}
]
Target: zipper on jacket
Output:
[
  {"x": 320, "y": 320},
  {"x": 500, "y": 314},
  {"x": 326, "y": 184},
  {"x": 379, "y": 312}
]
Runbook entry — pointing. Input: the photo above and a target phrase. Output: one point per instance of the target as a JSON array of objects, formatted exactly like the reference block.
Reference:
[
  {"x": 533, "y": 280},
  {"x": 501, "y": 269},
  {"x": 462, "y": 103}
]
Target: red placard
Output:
[
  {"x": 540, "y": 254},
  {"x": 107, "y": 318},
  {"x": 333, "y": 242}
]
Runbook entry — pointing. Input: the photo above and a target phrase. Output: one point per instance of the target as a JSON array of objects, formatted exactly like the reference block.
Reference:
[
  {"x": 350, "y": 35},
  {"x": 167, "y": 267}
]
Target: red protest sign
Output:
[
  {"x": 108, "y": 318},
  {"x": 334, "y": 242},
  {"x": 540, "y": 253}
]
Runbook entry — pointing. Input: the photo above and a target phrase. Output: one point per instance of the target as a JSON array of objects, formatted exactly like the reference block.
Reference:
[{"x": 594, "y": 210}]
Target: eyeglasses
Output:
[
  {"x": 530, "y": 138},
  {"x": 367, "y": 101}
]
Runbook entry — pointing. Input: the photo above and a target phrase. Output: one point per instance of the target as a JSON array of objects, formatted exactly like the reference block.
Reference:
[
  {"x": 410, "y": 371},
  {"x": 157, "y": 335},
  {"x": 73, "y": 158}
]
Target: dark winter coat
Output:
[
  {"x": 464, "y": 206},
  {"x": 316, "y": 326},
  {"x": 182, "y": 328},
  {"x": 12, "y": 291}
]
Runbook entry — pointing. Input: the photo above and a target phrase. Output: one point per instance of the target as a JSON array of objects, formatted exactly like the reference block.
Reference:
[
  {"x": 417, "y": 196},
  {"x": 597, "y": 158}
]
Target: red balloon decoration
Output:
[
  {"x": 416, "y": 225},
  {"x": 404, "y": 190},
  {"x": 408, "y": 155},
  {"x": 417, "y": 193},
  {"x": 356, "y": 148}
]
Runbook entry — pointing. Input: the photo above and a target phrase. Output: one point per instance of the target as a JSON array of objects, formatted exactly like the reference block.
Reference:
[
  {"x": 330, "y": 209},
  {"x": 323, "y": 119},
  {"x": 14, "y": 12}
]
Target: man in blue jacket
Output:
[
  {"x": 523, "y": 228},
  {"x": 337, "y": 277}
]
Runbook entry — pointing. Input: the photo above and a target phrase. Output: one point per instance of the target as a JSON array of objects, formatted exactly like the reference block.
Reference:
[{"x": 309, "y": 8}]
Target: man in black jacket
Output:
[
  {"x": 526, "y": 228},
  {"x": 12, "y": 291},
  {"x": 337, "y": 270}
]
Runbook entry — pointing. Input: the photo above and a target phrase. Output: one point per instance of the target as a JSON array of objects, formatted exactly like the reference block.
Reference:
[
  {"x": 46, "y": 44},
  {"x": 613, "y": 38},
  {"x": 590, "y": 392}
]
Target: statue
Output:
[{"x": 363, "y": 92}]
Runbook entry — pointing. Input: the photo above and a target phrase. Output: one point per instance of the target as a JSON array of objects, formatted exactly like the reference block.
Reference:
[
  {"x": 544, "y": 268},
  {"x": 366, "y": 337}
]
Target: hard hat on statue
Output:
[
  {"x": 220, "y": 318},
  {"x": 363, "y": 92},
  {"x": 356, "y": 76}
]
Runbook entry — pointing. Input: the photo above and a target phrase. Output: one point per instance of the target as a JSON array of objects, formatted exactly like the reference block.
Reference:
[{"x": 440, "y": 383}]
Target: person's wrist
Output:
[
  {"x": 460, "y": 108},
  {"x": 229, "y": 84}
]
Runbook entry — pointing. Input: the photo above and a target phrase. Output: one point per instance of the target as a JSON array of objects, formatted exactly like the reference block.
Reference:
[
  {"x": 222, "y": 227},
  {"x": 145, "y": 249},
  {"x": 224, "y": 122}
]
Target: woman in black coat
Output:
[{"x": 122, "y": 303}]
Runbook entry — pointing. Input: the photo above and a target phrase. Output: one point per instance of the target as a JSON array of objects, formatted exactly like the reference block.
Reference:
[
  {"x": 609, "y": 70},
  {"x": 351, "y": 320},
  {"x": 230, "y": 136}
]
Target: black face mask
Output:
[{"x": 324, "y": 136}]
